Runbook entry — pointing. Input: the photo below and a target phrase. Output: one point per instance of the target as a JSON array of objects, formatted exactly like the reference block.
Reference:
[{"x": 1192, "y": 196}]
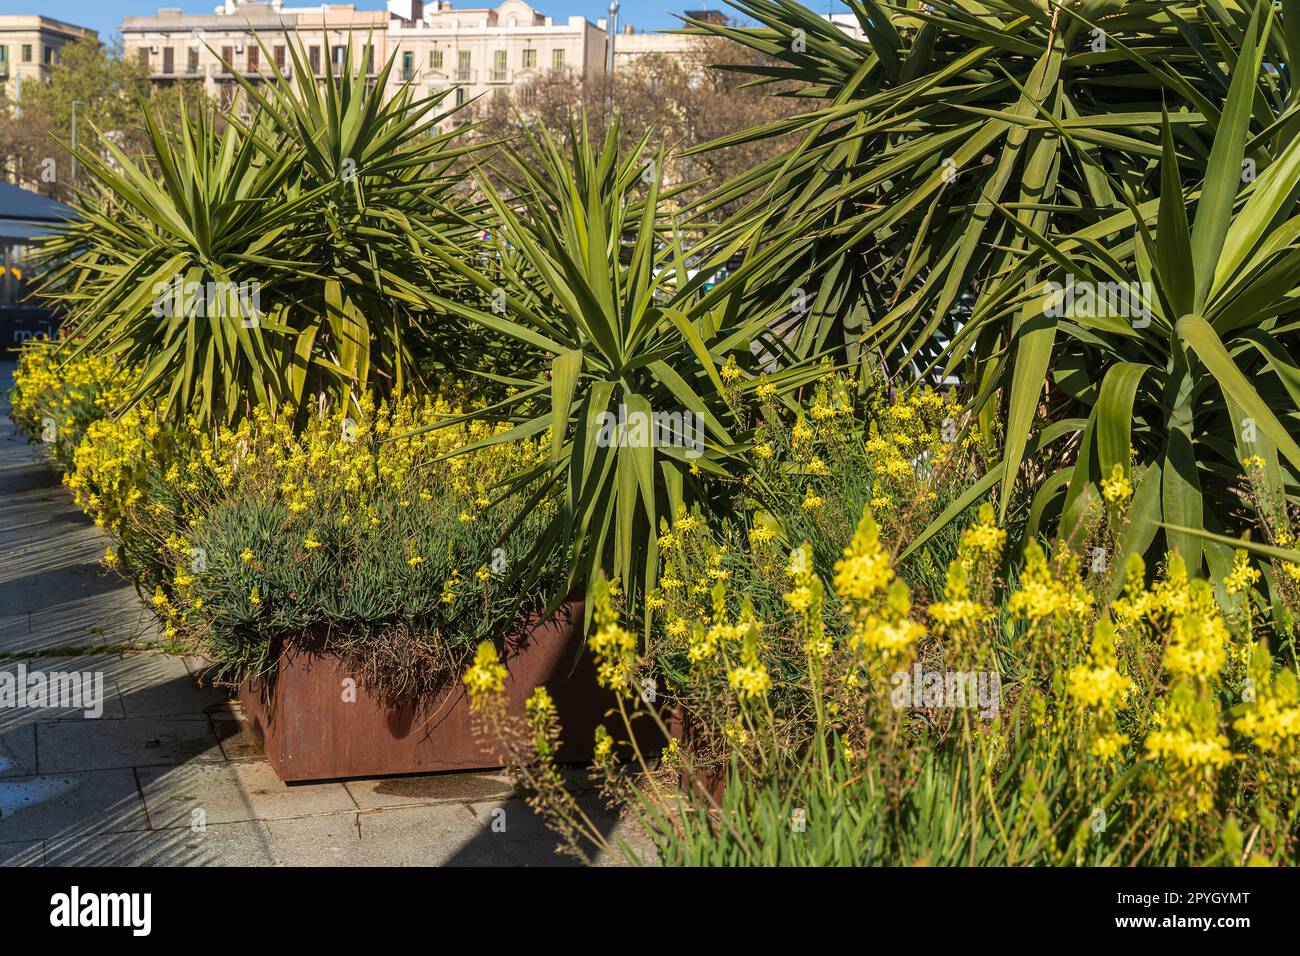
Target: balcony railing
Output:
[
  {"x": 499, "y": 76},
  {"x": 462, "y": 76},
  {"x": 338, "y": 67}
]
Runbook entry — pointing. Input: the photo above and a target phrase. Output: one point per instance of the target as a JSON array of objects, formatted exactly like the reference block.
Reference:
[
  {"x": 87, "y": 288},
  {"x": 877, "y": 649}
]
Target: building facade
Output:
[
  {"x": 473, "y": 52},
  {"x": 30, "y": 45},
  {"x": 631, "y": 46},
  {"x": 489, "y": 50},
  {"x": 213, "y": 48}
]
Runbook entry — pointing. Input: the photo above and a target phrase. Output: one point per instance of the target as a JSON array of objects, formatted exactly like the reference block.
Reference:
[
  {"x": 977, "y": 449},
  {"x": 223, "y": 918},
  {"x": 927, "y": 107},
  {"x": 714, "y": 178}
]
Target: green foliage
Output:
[
  {"x": 886, "y": 216},
  {"x": 249, "y": 539},
  {"x": 1189, "y": 373},
  {"x": 610, "y": 331},
  {"x": 408, "y": 627},
  {"x": 310, "y": 210},
  {"x": 976, "y": 152}
]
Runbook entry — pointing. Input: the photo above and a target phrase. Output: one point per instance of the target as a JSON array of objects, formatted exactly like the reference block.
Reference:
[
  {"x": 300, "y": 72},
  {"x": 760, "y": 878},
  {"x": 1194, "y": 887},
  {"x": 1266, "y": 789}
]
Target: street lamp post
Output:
[
  {"x": 75, "y": 104},
  {"x": 609, "y": 66}
]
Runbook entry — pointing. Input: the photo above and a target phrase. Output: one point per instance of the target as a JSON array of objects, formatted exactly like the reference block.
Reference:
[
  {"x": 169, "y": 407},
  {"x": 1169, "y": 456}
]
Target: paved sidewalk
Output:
[{"x": 170, "y": 774}]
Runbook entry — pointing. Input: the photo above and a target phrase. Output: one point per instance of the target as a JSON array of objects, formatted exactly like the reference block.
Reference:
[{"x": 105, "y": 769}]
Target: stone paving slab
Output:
[
  {"x": 237, "y": 737},
  {"x": 55, "y": 805},
  {"x": 71, "y": 608},
  {"x": 637, "y": 841},
  {"x": 104, "y": 796},
  {"x": 18, "y": 750},
  {"x": 27, "y": 853},
  {"x": 53, "y": 591},
  {"x": 527, "y": 841},
  {"x": 449, "y": 834},
  {"x": 332, "y": 840},
  {"x": 232, "y": 793},
  {"x": 439, "y": 835},
  {"x": 230, "y": 844},
  {"x": 109, "y": 667},
  {"x": 519, "y": 833},
  {"x": 427, "y": 789},
  {"x": 158, "y": 685},
  {"x": 64, "y": 745}
]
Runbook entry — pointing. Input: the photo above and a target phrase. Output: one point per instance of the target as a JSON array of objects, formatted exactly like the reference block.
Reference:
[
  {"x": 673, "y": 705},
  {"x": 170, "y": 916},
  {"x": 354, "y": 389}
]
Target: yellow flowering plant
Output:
[
  {"x": 902, "y": 454},
  {"x": 56, "y": 396},
  {"x": 1279, "y": 593},
  {"x": 1128, "y": 714},
  {"x": 1124, "y": 732},
  {"x": 334, "y": 524}
]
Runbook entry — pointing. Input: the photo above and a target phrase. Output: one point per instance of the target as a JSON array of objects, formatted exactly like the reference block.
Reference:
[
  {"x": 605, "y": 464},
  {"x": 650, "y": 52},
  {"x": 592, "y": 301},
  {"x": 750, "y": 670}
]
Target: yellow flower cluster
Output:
[
  {"x": 1192, "y": 749},
  {"x": 1243, "y": 576},
  {"x": 613, "y": 646},
  {"x": 879, "y": 604},
  {"x": 1272, "y": 718},
  {"x": 1199, "y": 644},
  {"x": 1191, "y": 741},
  {"x": 705, "y": 643},
  {"x": 957, "y": 608},
  {"x": 603, "y": 748},
  {"x": 1198, "y": 649},
  {"x": 1117, "y": 488},
  {"x": 68, "y": 392},
  {"x": 341, "y": 457},
  {"x": 807, "y": 597},
  {"x": 1138, "y": 686},
  {"x": 356, "y": 467},
  {"x": 749, "y": 680},
  {"x": 486, "y": 677},
  {"x": 898, "y": 444},
  {"x": 1043, "y": 595},
  {"x": 867, "y": 569},
  {"x": 1099, "y": 688},
  {"x": 983, "y": 541}
]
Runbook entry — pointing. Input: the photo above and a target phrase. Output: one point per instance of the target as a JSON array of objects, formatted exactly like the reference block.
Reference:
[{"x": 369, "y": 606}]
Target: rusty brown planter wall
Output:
[
  {"x": 710, "y": 785},
  {"x": 311, "y": 733}
]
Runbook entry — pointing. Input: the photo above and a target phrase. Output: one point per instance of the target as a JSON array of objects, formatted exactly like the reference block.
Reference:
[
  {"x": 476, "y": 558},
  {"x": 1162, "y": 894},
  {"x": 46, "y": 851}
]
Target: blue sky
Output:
[{"x": 105, "y": 15}]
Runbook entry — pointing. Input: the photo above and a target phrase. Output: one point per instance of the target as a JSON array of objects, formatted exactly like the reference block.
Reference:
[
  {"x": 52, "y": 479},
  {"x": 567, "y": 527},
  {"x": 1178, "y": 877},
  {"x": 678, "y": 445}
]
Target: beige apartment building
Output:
[
  {"x": 472, "y": 51},
  {"x": 488, "y": 50},
  {"x": 480, "y": 51},
  {"x": 212, "y": 48},
  {"x": 630, "y": 46},
  {"x": 29, "y": 48}
]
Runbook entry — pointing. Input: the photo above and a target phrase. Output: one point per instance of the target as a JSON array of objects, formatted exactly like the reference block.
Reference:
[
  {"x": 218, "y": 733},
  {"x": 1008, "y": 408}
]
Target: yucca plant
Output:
[
  {"x": 389, "y": 170},
  {"x": 589, "y": 288},
  {"x": 1065, "y": 132},
  {"x": 148, "y": 241},
  {"x": 1205, "y": 375},
  {"x": 884, "y": 218},
  {"x": 1183, "y": 358},
  {"x": 313, "y": 209}
]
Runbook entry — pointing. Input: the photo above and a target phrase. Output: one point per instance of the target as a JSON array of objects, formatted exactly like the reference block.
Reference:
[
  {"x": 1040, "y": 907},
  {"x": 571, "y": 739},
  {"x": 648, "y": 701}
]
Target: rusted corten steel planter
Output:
[
  {"x": 709, "y": 785},
  {"x": 311, "y": 733}
]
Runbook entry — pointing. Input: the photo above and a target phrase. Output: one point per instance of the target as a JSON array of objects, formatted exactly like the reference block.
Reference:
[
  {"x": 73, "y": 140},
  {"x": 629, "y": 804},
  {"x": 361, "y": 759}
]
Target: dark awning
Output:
[{"x": 25, "y": 215}]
